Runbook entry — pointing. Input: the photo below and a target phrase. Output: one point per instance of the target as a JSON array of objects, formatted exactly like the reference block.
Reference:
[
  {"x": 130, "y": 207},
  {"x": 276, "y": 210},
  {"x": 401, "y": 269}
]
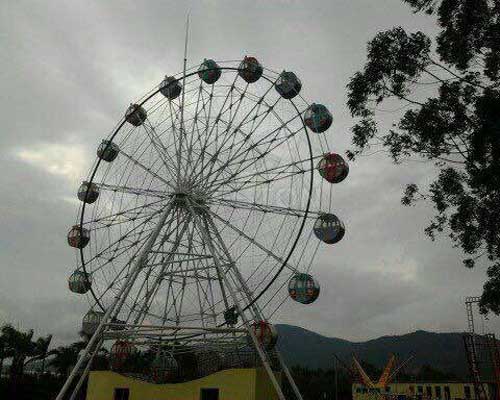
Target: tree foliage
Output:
[
  {"x": 449, "y": 88},
  {"x": 63, "y": 358}
]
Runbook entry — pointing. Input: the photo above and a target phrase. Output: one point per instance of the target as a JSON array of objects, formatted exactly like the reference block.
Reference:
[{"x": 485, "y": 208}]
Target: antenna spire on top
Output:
[
  {"x": 184, "y": 72},
  {"x": 186, "y": 42}
]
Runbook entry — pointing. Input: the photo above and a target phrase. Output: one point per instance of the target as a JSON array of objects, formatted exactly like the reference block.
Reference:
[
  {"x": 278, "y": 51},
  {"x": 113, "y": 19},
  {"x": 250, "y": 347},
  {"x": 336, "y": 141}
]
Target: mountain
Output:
[{"x": 443, "y": 351}]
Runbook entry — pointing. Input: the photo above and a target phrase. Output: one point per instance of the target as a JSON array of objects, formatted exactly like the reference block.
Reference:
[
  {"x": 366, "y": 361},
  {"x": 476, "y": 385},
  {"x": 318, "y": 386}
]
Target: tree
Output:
[
  {"x": 19, "y": 346},
  {"x": 40, "y": 351},
  {"x": 3, "y": 353},
  {"x": 65, "y": 357},
  {"x": 428, "y": 373},
  {"x": 456, "y": 127}
]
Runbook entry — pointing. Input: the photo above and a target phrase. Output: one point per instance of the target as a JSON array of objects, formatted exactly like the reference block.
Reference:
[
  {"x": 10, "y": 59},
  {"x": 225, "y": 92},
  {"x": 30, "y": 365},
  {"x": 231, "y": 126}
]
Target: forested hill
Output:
[{"x": 443, "y": 351}]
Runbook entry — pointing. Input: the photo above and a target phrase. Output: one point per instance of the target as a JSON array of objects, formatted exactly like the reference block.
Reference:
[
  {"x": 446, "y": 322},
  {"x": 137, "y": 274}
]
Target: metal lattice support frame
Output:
[
  {"x": 482, "y": 355},
  {"x": 205, "y": 203},
  {"x": 470, "y": 346}
]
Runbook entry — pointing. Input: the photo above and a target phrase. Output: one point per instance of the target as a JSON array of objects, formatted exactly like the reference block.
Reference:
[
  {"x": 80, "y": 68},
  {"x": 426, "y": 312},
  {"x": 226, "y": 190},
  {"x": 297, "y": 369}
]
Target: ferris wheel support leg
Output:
[
  {"x": 85, "y": 372},
  {"x": 117, "y": 303},
  {"x": 289, "y": 376},
  {"x": 258, "y": 312},
  {"x": 156, "y": 285},
  {"x": 262, "y": 355},
  {"x": 235, "y": 270}
]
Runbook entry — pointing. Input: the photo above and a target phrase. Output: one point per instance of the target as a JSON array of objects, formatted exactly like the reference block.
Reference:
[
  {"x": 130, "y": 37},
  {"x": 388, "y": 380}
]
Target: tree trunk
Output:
[{"x": 15, "y": 373}]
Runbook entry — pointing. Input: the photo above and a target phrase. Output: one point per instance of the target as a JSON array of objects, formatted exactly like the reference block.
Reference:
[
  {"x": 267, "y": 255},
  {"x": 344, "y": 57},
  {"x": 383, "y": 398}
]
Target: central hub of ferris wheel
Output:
[
  {"x": 189, "y": 188},
  {"x": 198, "y": 212}
]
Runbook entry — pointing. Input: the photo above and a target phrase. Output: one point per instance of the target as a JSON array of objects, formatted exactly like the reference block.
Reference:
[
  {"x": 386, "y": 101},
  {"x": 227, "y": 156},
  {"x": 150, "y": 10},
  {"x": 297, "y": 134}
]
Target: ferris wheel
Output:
[{"x": 203, "y": 212}]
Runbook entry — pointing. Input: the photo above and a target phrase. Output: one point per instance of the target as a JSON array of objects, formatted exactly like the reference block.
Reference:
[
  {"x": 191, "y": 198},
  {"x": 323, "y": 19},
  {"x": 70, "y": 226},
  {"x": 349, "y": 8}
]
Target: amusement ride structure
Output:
[{"x": 201, "y": 215}]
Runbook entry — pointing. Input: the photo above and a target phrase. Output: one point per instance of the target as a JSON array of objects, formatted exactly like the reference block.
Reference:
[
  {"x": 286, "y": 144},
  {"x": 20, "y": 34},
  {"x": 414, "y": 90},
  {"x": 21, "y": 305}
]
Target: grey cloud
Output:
[{"x": 69, "y": 69}]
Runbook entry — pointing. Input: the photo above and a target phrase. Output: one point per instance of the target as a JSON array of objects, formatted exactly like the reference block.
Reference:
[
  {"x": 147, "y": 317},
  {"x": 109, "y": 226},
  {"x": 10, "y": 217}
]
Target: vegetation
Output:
[
  {"x": 429, "y": 374},
  {"x": 65, "y": 357},
  {"x": 456, "y": 127},
  {"x": 33, "y": 371},
  {"x": 21, "y": 350},
  {"x": 320, "y": 383}
]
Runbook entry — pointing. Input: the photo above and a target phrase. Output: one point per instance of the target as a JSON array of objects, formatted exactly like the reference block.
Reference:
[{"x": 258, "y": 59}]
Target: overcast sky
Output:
[{"x": 68, "y": 70}]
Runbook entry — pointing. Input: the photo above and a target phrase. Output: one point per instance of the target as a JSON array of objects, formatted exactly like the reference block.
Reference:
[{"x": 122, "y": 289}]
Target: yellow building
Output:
[
  {"x": 415, "y": 390},
  {"x": 385, "y": 389},
  {"x": 230, "y": 384}
]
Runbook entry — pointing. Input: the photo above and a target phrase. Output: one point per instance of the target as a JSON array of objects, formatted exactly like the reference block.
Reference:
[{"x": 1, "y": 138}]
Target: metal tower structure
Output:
[{"x": 483, "y": 357}]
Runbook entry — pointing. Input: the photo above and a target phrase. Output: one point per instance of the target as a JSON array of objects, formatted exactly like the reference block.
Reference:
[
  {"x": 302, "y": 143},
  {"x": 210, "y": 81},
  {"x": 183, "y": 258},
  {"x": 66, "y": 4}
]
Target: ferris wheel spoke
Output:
[
  {"x": 262, "y": 264},
  {"x": 267, "y": 208},
  {"x": 131, "y": 233},
  {"x": 226, "y": 175},
  {"x": 217, "y": 118},
  {"x": 114, "y": 251},
  {"x": 194, "y": 257},
  {"x": 232, "y": 116},
  {"x": 207, "y": 143},
  {"x": 236, "y": 159},
  {"x": 257, "y": 106},
  {"x": 254, "y": 242},
  {"x": 228, "y": 136},
  {"x": 129, "y": 238},
  {"x": 255, "y": 126},
  {"x": 176, "y": 135},
  {"x": 119, "y": 276},
  {"x": 205, "y": 119},
  {"x": 134, "y": 191},
  {"x": 129, "y": 214},
  {"x": 197, "y": 120},
  {"x": 242, "y": 185},
  {"x": 249, "y": 184},
  {"x": 160, "y": 148},
  {"x": 191, "y": 135},
  {"x": 250, "y": 163},
  {"x": 124, "y": 250},
  {"x": 146, "y": 169},
  {"x": 265, "y": 174},
  {"x": 206, "y": 103},
  {"x": 180, "y": 141},
  {"x": 171, "y": 117},
  {"x": 247, "y": 162},
  {"x": 123, "y": 220},
  {"x": 270, "y": 136},
  {"x": 134, "y": 243}
]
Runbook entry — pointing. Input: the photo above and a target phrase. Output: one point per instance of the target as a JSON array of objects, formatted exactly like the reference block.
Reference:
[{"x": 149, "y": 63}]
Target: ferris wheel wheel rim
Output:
[{"x": 152, "y": 94}]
